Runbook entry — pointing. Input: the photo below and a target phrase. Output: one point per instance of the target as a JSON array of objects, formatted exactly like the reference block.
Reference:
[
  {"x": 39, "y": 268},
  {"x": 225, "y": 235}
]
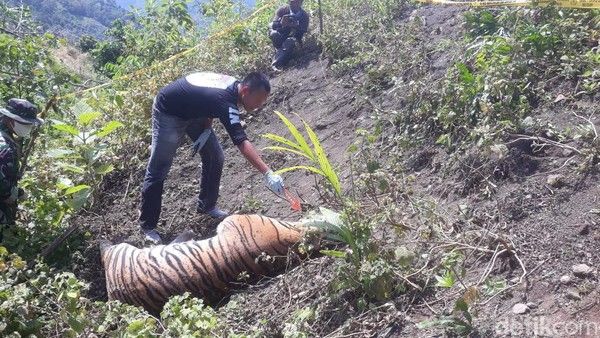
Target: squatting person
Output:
[
  {"x": 287, "y": 29},
  {"x": 188, "y": 106}
]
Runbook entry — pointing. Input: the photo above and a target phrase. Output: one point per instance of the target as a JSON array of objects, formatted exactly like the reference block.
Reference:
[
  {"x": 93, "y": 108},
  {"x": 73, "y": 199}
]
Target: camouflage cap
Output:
[{"x": 22, "y": 111}]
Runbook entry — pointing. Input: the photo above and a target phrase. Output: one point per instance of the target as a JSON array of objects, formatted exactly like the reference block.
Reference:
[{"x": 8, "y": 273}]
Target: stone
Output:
[
  {"x": 584, "y": 230},
  {"x": 581, "y": 270},
  {"x": 555, "y": 181},
  {"x": 565, "y": 279},
  {"x": 531, "y": 305},
  {"x": 573, "y": 294},
  {"x": 520, "y": 309}
]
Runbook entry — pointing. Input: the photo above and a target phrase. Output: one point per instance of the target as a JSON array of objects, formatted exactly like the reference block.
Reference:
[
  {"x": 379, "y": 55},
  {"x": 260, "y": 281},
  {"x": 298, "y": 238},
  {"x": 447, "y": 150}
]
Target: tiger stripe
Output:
[{"x": 208, "y": 269}]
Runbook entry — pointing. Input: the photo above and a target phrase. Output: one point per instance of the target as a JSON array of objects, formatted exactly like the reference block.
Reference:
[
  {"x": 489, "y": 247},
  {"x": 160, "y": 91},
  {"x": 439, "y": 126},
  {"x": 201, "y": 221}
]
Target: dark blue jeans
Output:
[
  {"x": 285, "y": 48},
  {"x": 167, "y": 134}
]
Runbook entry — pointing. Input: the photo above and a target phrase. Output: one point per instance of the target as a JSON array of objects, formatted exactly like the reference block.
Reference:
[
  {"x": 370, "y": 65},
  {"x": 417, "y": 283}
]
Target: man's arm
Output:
[
  {"x": 250, "y": 153},
  {"x": 273, "y": 180},
  {"x": 302, "y": 26},
  {"x": 276, "y": 24}
]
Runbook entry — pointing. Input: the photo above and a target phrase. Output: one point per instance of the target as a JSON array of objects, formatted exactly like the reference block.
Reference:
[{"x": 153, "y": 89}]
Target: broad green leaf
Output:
[
  {"x": 72, "y": 168},
  {"x": 67, "y": 128},
  {"x": 81, "y": 107},
  {"x": 334, "y": 253},
  {"x": 79, "y": 199},
  {"x": 463, "y": 307},
  {"x": 73, "y": 294},
  {"x": 76, "y": 325},
  {"x": 77, "y": 188},
  {"x": 64, "y": 183},
  {"x": 87, "y": 118},
  {"x": 444, "y": 139},
  {"x": 444, "y": 321},
  {"x": 119, "y": 100},
  {"x": 59, "y": 153},
  {"x": 136, "y": 326},
  {"x": 464, "y": 73},
  {"x": 105, "y": 169},
  {"x": 109, "y": 128}
]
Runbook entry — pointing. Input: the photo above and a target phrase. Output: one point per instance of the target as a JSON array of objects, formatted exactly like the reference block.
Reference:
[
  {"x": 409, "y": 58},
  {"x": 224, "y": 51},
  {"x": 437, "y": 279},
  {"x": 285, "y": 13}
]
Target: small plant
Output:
[
  {"x": 188, "y": 316},
  {"x": 299, "y": 146},
  {"x": 480, "y": 23},
  {"x": 366, "y": 268},
  {"x": 460, "y": 320},
  {"x": 298, "y": 325},
  {"x": 83, "y": 155},
  {"x": 251, "y": 205}
]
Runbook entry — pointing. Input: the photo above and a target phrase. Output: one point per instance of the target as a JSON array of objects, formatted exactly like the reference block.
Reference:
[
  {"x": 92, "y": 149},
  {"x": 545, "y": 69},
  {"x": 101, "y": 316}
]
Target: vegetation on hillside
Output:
[
  {"x": 71, "y": 19},
  {"x": 398, "y": 247}
]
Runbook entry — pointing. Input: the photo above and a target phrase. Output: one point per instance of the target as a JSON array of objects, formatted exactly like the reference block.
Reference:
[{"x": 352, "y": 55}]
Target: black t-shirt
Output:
[
  {"x": 301, "y": 16},
  {"x": 204, "y": 95}
]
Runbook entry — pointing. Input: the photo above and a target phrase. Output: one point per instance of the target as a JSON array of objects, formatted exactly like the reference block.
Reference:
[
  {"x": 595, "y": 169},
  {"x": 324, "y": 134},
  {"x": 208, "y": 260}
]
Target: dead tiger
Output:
[{"x": 208, "y": 268}]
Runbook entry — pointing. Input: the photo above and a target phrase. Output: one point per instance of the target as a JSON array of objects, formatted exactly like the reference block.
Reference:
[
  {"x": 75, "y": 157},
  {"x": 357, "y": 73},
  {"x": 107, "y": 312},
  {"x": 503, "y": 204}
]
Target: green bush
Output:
[{"x": 185, "y": 316}]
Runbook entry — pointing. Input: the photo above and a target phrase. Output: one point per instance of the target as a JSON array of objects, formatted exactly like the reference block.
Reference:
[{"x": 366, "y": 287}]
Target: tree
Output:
[
  {"x": 27, "y": 68},
  {"x": 87, "y": 43},
  {"x": 162, "y": 29}
]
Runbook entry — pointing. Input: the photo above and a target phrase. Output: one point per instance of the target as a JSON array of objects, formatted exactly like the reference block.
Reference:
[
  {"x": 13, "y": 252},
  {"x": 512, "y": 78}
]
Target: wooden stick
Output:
[
  {"x": 320, "y": 18},
  {"x": 58, "y": 240}
]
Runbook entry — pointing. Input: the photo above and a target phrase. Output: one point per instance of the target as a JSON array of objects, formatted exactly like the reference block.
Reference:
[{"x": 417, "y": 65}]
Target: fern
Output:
[{"x": 300, "y": 146}]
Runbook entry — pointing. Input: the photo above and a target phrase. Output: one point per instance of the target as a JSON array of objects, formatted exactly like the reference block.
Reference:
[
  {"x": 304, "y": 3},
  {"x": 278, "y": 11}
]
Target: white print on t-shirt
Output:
[
  {"x": 210, "y": 80},
  {"x": 234, "y": 115}
]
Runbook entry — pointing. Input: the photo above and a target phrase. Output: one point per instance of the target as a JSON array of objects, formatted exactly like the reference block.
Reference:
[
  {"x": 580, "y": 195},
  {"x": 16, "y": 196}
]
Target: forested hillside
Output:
[
  {"x": 74, "y": 18},
  {"x": 455, "y": 149}
]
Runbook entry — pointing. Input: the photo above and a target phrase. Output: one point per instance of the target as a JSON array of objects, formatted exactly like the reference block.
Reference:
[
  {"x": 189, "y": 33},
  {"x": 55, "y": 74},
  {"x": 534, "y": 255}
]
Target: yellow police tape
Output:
[
  {"x": 173, "y": 57},
  {"x": 589, "y": 4}
]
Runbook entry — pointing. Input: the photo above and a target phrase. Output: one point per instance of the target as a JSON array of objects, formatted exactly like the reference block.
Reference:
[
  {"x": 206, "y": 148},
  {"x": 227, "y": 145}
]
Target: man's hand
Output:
[
  {"x": 274, "y": 182},
  {"x": 288, "y": 21}
]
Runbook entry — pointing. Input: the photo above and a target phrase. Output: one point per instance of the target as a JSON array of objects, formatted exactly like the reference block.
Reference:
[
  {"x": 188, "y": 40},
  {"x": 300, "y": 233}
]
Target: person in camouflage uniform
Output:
[{"x": 17, "y": 120}]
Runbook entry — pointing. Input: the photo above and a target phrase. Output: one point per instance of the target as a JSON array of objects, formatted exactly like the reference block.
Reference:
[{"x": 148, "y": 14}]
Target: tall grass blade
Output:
[
  {"x": 283, "y": 140},
  {"x": 297, "y": 136},
  {"x": 284, "y": 149},
  {"x": 323, "y": 161},
  {"x": 301, "y": 167}
]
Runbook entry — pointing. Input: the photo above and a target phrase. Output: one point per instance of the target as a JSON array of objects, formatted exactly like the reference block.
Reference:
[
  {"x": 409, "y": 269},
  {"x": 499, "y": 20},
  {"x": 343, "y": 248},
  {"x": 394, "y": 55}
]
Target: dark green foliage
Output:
[
  {"x": 87, "y": 43},
  {"x": 481, "y": 23}
]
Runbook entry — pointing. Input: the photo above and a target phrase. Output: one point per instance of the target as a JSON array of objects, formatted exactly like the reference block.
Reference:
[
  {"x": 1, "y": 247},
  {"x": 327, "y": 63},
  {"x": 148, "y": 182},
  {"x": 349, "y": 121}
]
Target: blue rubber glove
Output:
[{"x": 274, "y": 182}]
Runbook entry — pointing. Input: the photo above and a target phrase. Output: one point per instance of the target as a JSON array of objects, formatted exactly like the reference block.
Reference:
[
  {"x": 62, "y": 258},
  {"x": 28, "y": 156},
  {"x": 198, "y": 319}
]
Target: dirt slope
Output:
[{"x": 552, "y": 227}]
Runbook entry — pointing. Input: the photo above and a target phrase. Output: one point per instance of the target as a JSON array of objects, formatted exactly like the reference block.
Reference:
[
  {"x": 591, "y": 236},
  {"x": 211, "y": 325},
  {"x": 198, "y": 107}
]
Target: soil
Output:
[{"x": 551, "y": 227}]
